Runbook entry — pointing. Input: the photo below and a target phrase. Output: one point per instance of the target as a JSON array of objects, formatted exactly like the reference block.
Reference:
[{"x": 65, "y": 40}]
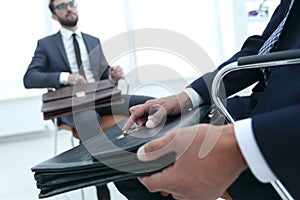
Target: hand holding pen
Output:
[{"x": 154, "y": 111}]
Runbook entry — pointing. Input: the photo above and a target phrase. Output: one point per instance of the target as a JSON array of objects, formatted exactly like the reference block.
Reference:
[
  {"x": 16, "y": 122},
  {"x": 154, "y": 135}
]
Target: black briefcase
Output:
[{"x": 108, "y": 157}]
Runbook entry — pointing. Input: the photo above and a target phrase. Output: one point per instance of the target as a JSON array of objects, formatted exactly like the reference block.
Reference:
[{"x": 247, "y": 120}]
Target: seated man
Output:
[
  {"x": 268, "y": 139},
  {"x": 56, "y": 64},
  {"x": 71, "y": 57}
]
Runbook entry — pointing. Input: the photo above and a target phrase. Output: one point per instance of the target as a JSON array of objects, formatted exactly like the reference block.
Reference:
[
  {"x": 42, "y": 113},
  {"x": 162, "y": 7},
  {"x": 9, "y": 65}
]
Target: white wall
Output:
[
  {"x": 191, "y": 22},
  {"x": 21, "y": 23}
]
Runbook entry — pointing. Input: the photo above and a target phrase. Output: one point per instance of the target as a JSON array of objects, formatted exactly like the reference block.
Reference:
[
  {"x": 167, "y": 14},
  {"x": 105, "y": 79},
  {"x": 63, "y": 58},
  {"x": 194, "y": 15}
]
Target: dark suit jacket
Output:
[
  {"x": 276, "y": 116},
  {"x": 50, "y": 59}
]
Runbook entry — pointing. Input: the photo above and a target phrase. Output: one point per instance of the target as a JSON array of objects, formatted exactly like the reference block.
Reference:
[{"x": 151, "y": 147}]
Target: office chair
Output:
[{"x": 254, "y": 62}]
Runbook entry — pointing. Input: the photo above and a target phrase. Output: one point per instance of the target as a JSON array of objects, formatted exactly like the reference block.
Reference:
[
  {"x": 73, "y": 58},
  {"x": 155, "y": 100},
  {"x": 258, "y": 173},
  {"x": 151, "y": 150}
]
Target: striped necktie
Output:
[{"x": 270, "y": 42}]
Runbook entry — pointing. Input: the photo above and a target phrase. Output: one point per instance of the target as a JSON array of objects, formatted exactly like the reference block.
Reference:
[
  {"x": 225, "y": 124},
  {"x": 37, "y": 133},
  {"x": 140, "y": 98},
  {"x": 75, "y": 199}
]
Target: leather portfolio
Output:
[
  {"x": 108, "y": 157},
  {"x": 70, "y": 99}
]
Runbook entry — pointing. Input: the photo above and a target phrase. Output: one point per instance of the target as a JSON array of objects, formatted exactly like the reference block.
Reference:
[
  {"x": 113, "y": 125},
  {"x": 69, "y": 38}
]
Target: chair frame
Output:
[{"x": 253, "y": 62}]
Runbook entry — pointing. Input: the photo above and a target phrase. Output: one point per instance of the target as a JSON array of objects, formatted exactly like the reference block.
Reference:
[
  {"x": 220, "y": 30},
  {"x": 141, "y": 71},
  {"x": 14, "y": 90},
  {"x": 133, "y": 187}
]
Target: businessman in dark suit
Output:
[
  {"x": 265, "y": 139},
  {"x": 55, "y": 65}
]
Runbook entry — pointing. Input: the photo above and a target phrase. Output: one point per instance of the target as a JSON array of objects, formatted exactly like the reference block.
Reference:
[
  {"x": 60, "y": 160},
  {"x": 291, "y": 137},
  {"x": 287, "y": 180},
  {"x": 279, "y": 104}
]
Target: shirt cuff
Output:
[
  {"x": 111, "y": 79},
  {"x": 251, "y": 152},
  {"x": 195, "y": 98},
  {"x": 63, "y": 78}
]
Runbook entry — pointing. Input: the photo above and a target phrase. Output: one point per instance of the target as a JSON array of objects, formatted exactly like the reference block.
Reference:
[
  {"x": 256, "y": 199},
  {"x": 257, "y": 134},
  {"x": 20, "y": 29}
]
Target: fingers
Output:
[
  {"x": 76, "y": 79},
  {"x": 226, "y": 196},
  {"x": 152, "y": 114},
  {"x": 80, "y": 80},
  {"x": 116, "y": 72},
  {"x": 138, "y": 115},
  {"x": 128, "y": 124},
  {"x": 156, "y": 148},
  {"x": 156, "y": 115},
  {"x": 163, "y": 193},
  {"x": 151, "y": 151},
  {"x": 153, "y": 183},
  {"x": 157, "y": 182}
]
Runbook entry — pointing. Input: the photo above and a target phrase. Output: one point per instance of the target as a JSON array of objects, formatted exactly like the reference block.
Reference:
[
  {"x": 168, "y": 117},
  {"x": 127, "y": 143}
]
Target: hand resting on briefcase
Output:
[{"x": 67, "y": 100}]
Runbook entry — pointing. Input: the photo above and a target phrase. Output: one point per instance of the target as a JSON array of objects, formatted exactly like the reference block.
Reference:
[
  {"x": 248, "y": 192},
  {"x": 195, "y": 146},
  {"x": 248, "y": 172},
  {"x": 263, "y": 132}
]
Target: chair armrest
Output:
[
  {"x": 251, "y": 62},
  {"x": 288, "y": 56}
]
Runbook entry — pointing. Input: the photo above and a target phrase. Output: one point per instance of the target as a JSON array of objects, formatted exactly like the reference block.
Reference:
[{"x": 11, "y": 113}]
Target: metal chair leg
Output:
[
  {"x": 55, "y": 135},
  {"x": 56, "y": 129}
]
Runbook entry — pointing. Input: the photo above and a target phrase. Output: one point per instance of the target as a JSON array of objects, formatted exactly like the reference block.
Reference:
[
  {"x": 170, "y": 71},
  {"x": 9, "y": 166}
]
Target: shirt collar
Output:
[{"x": 67, "y": 34}]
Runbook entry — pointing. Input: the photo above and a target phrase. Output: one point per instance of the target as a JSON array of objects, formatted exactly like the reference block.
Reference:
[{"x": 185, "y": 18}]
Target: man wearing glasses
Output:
[{"x": 56, "y": 63}]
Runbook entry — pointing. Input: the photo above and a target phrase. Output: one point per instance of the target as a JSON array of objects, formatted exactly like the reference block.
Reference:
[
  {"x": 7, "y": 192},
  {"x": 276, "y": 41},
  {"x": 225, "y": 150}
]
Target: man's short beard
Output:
[{"x": 68, "y": 22}]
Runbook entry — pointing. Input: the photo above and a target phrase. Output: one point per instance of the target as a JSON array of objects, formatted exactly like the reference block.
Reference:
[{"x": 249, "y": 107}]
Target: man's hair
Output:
[{"x": 51, "y": 6}]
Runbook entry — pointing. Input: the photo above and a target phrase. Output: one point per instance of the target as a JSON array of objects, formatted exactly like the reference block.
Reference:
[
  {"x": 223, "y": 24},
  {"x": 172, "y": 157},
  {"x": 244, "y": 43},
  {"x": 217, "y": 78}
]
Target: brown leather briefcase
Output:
[{"x": 67, "y": 100}]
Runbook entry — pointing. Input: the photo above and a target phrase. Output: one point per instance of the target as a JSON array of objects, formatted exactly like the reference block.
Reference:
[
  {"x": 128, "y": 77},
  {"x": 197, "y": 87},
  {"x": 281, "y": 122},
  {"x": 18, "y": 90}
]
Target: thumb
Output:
[
  {"x": 157, "y": 115},
  {"x": 156, "y": 148}
]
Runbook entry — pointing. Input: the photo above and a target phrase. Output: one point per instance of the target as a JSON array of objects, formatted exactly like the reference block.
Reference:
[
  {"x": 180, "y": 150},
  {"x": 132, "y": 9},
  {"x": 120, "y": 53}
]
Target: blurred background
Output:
[{"x": 218, "y": 27}]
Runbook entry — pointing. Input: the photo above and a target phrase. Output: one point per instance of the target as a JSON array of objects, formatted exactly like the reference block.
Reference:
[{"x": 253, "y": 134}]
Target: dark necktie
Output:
[
  {"x": 271, "y": 41},
  {"x": 78, "y": 55}
]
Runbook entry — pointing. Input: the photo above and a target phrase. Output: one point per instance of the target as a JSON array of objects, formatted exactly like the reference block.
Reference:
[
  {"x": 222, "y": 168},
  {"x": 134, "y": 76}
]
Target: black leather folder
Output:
[
  {"x": 67, "y": 100},
  {"x": 108, "y": 157}
]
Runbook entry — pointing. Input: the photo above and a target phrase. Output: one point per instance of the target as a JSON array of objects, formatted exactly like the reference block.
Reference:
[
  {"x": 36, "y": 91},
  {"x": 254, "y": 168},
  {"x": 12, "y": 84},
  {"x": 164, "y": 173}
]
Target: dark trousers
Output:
[
  {"x": 102, "y": 192},
  {"x": 87, "y": 122},
  {"x": 134, "y": 190},
  {"x": 247, "y": 187}
]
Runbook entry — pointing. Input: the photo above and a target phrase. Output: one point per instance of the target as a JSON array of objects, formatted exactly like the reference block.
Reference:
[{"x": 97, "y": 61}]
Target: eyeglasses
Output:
[{"x": 64, "y": 6}]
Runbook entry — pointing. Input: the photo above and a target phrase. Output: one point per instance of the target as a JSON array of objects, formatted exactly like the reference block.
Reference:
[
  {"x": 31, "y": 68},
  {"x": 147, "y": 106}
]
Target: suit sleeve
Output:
[
  {"x": 237, "y": 81},
  {"x": 277, "y": 135},
  {"x": 37, "y": 74}
]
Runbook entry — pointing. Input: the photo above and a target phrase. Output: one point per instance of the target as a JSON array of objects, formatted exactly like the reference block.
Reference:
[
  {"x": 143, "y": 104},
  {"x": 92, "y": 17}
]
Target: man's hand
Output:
[
  {"x": 116, "y": 72},
  {"x": 209, "y": 161},
  {"x": 158, "y": 109},
  {"x": 76, "y": 79}
]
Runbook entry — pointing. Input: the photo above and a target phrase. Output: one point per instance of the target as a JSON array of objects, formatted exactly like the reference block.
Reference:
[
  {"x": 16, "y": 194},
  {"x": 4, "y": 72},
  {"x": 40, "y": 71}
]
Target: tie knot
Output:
[{"x": 74, "y": 35}]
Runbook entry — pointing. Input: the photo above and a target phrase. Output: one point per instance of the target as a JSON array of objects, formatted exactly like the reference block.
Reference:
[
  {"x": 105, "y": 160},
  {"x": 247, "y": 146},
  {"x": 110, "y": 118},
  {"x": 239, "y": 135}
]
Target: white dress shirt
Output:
[
  {"x": 246, "y": 141},
  {"x": 69, "y": 48}
]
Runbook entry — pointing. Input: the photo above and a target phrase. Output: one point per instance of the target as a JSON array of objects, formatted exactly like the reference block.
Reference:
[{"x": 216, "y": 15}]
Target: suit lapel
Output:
[
  {"x": 61, "y": 48},
  {"x": 94, "y": 55},
  {"x": 86, "y": 42}
]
